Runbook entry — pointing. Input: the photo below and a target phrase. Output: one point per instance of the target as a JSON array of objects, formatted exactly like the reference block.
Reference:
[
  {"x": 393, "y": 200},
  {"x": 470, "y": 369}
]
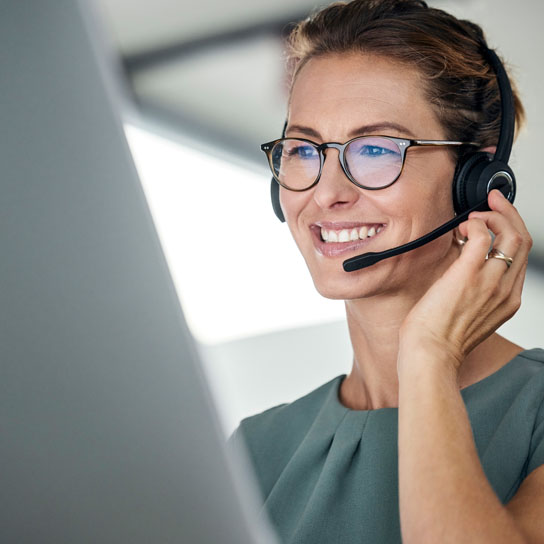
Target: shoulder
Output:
[
  {"x": 534, "y": 361},
  {"x": 534, "y": 358},
  {"x": 288, "y": 420},
  {"x": 528, "y": 372},
  {"x": 521, "y": 377},
  {"x": 518, "y": 385},
  {"x": 508, "y": 412},
  {"x": 523, "y": 420},
  {"x": 272, "y": 437}
]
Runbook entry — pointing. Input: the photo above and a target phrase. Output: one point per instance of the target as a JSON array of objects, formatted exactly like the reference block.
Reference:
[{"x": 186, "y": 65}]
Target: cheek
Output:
[
  {"x": 293, "y": 204},
  {"x": 430, "y": 188}
]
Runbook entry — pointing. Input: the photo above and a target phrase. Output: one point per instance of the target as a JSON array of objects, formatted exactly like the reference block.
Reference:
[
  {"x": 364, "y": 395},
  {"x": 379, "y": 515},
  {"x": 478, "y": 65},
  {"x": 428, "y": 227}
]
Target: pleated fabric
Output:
[{"x": 329, "y": 474}]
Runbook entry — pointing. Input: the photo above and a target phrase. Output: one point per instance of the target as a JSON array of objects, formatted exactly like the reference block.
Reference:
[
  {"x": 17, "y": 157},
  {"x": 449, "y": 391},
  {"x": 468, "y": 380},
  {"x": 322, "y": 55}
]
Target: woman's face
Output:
[{"x": 334, "y": 99}]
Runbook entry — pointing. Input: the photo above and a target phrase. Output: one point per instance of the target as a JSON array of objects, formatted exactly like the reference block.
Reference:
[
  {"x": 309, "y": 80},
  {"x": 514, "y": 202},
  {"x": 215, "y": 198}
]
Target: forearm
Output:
[{"x": 443, "y": 491}]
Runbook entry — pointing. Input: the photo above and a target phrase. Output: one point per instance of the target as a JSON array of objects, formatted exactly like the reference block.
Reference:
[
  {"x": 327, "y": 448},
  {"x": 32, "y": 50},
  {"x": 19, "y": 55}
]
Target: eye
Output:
[
  {"x": 376, "y": 151},
  {"x": 300, "y": 151}
]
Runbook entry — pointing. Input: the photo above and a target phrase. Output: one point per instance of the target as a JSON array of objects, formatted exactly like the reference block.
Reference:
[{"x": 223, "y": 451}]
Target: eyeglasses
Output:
[{"x": 370, "y": 162}]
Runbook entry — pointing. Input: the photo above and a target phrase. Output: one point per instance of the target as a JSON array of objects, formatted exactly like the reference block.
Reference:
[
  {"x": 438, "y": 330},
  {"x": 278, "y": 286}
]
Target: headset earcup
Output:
[
  {"x": 498, "y": 175},
  {"x": 478, "y": 175},
  {"x": 275, "y": 195},
  {"x": 468, "y": 185}
]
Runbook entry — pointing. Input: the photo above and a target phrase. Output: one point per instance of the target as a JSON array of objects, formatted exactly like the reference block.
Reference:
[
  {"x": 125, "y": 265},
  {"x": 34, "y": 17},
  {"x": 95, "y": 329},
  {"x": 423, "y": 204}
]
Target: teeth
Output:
[
  {"x": 346, "y": 235},
  {"x": 343, "y": 236}
]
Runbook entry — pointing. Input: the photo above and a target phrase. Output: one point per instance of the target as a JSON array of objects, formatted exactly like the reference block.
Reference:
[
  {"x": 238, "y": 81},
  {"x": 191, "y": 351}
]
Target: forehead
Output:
[{"x": 335, "y": 93}]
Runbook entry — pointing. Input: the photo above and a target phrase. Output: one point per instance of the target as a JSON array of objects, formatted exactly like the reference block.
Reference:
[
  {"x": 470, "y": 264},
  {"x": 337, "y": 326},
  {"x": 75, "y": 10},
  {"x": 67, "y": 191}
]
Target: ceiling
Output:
[{"x": 210, "y": 74}]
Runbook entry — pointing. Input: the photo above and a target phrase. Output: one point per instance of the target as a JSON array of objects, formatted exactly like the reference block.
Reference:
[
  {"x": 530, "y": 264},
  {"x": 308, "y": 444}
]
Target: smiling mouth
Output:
[
  {"x": 350, "y": 235},
  {"x": 340, "y": 240}
]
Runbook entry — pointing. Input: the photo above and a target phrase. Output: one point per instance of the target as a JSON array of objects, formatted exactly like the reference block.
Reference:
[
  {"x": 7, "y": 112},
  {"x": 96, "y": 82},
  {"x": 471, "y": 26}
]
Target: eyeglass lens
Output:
[{"x": 372, "y": 161}]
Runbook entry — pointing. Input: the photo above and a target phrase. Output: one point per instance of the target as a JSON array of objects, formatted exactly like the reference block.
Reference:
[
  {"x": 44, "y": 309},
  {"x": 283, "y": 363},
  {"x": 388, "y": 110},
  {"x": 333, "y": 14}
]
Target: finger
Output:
[
  {"x": 498, "y": 202},
  {"x": 478, "y": 242},
  {"x": 501, "y": 205},
  {"x": 512, "y": 302},
  {"x": 517, "y": 288},
  {"x": 475, "y": 252},
  {"x": 508, "y": 239}
]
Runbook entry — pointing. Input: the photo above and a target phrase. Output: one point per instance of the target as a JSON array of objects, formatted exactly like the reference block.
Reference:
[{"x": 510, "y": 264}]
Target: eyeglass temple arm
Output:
[{"x": 441, "y": 142}]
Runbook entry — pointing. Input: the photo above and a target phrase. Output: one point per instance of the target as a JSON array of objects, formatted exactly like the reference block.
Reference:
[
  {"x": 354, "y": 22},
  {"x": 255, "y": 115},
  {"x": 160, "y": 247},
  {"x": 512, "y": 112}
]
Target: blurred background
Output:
[{"x": 203, "y": 86}]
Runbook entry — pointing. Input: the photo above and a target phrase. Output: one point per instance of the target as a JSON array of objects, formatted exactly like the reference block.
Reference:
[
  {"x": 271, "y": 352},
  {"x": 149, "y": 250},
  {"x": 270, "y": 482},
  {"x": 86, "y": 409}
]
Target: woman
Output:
[{"x": 437, "y": 433}]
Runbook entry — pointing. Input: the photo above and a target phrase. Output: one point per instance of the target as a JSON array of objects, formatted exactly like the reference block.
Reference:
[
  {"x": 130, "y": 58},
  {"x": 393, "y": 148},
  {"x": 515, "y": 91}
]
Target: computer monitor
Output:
[{"x": 107, "y": 429}]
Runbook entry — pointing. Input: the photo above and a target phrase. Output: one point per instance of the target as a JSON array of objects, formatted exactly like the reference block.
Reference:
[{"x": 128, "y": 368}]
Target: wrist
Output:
[{"x": 429, "y": 356}]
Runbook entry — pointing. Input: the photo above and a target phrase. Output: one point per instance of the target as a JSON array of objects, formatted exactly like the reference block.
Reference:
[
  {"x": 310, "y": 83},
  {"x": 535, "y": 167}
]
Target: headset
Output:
[{"x": 476, "y": 175}]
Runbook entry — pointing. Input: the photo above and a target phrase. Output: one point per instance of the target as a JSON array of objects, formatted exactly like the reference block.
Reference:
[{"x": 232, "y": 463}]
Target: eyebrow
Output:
[{"x": 360, "y": 131}]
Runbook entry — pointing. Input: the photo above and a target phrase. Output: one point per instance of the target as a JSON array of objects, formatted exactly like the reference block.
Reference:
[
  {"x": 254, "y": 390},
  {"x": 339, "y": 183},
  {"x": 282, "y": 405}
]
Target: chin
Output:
[
  {"x": 347, "y": 285},
  {"x": 408, "y": 272}
]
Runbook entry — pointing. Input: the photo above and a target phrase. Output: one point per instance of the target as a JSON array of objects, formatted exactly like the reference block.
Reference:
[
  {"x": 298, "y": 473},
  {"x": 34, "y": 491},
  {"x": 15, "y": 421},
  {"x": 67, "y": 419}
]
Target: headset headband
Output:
[{"x": 508, "y": 118}]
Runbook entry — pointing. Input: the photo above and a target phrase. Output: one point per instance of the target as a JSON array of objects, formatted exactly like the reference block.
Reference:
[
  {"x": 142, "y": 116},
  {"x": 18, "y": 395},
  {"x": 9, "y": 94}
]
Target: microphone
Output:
[{"x": 373, "y": 257}]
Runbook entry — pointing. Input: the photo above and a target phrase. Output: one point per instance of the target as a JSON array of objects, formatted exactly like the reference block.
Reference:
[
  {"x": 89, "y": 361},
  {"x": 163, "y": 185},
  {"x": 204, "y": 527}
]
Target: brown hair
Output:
[{"x": 448, "y": 52}]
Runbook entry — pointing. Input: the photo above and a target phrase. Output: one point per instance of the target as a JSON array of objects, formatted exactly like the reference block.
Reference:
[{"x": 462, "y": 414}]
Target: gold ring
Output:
[{"x": 498, "y": 254}]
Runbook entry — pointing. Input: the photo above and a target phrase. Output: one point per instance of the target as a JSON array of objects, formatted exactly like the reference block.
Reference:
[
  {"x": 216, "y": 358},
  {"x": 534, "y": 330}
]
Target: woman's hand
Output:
[{"x": 474, "y": 296}]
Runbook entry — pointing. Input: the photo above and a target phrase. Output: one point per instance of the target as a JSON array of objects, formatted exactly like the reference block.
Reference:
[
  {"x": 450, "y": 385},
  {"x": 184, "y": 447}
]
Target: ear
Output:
[{"x": 489, "y": 149}]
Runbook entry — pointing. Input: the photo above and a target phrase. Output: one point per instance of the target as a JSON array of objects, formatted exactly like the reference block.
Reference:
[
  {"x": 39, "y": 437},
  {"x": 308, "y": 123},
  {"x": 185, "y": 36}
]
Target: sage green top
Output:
[{"x": 329, "y": 474}]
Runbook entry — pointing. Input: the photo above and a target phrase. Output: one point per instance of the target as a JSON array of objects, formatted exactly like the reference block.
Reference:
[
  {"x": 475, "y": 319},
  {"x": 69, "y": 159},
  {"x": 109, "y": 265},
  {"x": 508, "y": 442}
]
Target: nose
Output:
[{"x": 334, "y": 190}]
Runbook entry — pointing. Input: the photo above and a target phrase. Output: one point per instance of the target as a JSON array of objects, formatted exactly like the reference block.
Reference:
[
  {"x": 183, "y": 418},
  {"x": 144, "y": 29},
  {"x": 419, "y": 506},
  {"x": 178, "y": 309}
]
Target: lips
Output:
[{"x": 334, "y": 239}]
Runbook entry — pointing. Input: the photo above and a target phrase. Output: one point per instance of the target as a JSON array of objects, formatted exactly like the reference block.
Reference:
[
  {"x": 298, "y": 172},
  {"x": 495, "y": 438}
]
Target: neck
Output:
[
  {"x": 374, "y": 325},
  {"x": 373, "y": 381}
]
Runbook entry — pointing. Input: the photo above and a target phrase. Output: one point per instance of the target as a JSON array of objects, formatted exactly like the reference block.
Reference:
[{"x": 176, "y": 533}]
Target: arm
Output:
[{"x": 443, "y": 491}]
